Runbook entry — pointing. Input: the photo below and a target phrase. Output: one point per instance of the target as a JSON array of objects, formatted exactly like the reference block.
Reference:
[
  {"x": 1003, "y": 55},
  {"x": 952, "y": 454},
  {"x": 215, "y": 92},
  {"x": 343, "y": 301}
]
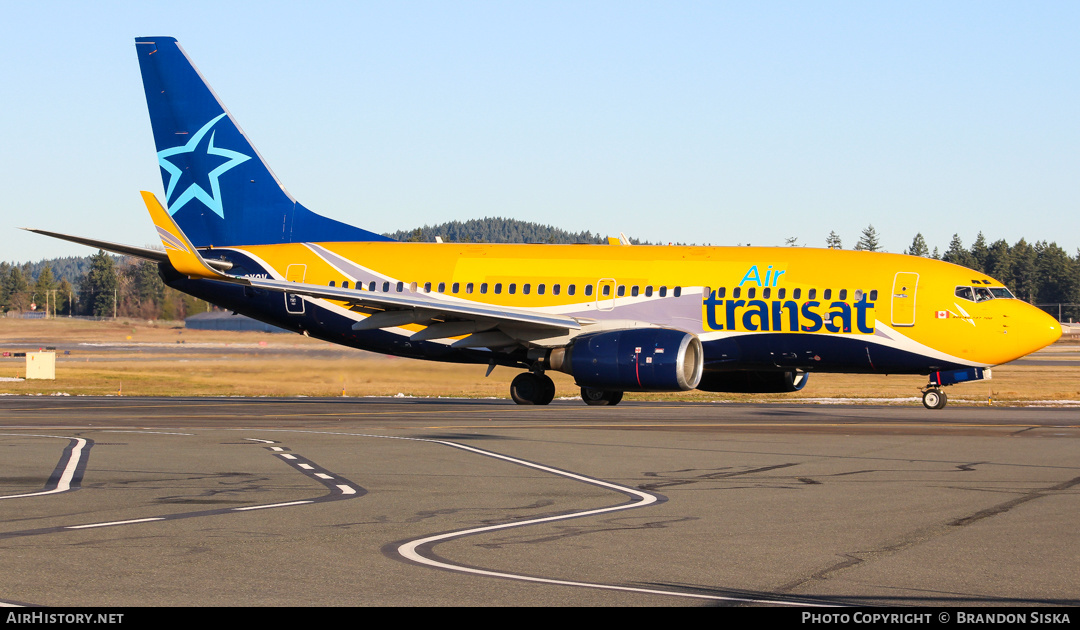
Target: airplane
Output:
[{"x": 616, "y": 317}]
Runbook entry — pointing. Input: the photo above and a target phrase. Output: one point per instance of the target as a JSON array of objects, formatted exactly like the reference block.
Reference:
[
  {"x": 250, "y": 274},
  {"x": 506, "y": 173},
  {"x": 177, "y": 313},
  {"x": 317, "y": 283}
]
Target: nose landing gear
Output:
[{"x": 934, "y": 398}]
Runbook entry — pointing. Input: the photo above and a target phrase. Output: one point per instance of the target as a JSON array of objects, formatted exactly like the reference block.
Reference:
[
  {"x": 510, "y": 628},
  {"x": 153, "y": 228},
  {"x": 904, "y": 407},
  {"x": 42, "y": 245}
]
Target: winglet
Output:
[{"x": 182, "y": 254}]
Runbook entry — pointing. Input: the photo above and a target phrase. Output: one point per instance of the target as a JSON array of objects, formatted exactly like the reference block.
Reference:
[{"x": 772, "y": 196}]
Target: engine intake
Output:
[{"x": 635, "y": 359}]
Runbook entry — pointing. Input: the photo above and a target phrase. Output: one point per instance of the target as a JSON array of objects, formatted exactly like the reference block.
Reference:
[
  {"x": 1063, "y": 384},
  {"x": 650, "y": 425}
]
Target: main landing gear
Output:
[
  {"x": 532, "y": 388},
  {"x": 537, "y": 388},
  {"x": 934, "y": 398},
  {"x": 593, "y": 396}
]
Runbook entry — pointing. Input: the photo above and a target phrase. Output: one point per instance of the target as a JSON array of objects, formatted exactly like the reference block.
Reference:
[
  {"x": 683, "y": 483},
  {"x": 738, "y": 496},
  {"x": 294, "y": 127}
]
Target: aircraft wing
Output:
[{"x": 445, "y": 318}]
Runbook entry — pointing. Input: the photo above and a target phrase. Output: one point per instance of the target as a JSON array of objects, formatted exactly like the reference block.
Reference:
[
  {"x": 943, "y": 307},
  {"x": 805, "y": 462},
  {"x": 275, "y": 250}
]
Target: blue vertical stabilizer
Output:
[{"x": 217, "y": 187}]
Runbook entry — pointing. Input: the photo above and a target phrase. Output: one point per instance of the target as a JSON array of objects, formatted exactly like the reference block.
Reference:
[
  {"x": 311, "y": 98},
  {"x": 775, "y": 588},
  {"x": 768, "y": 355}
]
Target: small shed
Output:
[{"x": 41, "y": 365}]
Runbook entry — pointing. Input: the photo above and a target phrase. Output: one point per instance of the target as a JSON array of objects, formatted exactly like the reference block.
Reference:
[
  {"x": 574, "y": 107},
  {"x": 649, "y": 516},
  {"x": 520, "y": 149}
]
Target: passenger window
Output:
[
  {"x": 454, "y": 287},
  {"x": 751, "y": 292},
  {"x": 332, "y": 283},
  {"x": 607, "y": 290},
  {"x": 555, "y": 288},
  {"x": 812, "y": 295},
  {"x": 572, "y": 289},
  {"x": 622, "y": 290},
  {"x": 498, "y": 288},
  {"x": 796, "y": 294},
  {"x": 539, "y": 289},
  {"x": 468, "y": 287},
  {"x": 344, "y": 284},
  {"x": 633, "y": 291},
  {"x": 663, "y": 291},
  {"x": 442, "y": 287},
  {"x": 483, "y": 288},
  {"x": 965, "y": 293},
  {"x": 400, "y": 287},
  {"x": 858, "y": 296},
  {"x": 765, "y": 293},
  {"x": 648, "y": 291},
  {"x": 412, "y": 287},
  {"x": 721, "y": 292},
  {"x": 736, "y": 292},
  {"x": 512, "y": 289},
  {"x": 780, "y": 293},
  {"x": 828, "y": 294},
  {"x": 873, "y": 295},
  {"x": 386, "y": 287},
  {"x": 677, "y": 292},
  {"x": 588, "y": 289},
  {"x": 843, "y": 294},
  {"x": 427, "y": 287},
  {"x": 525, "y": 288}
]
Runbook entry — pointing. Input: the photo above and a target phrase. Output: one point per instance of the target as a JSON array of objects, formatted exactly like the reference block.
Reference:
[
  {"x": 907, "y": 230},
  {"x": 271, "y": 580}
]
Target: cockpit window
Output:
[{"x": 982, "y": 294}]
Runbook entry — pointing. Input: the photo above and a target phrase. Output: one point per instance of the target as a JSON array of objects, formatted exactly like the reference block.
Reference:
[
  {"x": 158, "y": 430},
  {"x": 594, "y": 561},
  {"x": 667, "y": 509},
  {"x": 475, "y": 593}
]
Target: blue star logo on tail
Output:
[{"x": 201, "y": 165}]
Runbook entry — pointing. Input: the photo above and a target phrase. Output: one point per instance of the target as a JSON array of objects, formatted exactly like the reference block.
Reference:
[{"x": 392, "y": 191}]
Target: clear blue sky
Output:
[{"x": 720, "y": 122}]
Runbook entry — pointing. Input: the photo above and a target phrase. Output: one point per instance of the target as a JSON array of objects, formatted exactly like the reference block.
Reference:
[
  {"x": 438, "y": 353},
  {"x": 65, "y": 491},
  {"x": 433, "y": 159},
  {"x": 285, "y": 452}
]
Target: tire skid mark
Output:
[
  {"x": 69, "y": 470},
  {"x": 338, "y": 487}
]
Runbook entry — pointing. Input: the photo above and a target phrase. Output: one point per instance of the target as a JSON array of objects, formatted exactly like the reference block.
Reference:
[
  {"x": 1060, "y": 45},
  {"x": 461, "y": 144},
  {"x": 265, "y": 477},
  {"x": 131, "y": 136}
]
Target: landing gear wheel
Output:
[
  {"x": 529, "y": 388},
  {"x": 593, "y": 396},
  {"x": 934, "y": 399}
]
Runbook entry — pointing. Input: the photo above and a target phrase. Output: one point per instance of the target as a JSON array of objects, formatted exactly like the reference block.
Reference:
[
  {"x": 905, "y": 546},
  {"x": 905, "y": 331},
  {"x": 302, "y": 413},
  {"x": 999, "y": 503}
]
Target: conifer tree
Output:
[{"x": 869, "y": 240}]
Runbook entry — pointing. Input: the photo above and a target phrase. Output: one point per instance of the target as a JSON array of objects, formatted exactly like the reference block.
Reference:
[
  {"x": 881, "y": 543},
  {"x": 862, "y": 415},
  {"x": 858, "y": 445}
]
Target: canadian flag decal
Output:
[{"x": 941, "y": 314}]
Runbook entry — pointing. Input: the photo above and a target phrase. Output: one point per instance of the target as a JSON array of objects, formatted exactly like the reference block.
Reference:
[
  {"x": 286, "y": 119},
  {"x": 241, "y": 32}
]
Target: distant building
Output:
[{"x": 227, "y": 320}]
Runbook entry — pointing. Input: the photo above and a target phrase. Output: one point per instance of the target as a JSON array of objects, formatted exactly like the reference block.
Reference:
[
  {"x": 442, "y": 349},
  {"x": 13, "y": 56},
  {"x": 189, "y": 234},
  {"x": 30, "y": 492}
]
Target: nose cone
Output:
[{"x": 1045, "y": 330}]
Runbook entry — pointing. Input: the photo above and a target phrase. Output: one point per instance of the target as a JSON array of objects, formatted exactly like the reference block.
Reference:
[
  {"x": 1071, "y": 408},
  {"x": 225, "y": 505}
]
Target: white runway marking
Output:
[
  {"x": 306, "y": 466},
  {"x": 64, "y": 484},
  {"x": 137, "y": 520},
  {"x": 287, "y": 456},
  {"x": 409, "y": 549},
  {"x": 323, "y": 476},
  {"x": 347, "y": 489},
  {"x": 272, "y": 505}
]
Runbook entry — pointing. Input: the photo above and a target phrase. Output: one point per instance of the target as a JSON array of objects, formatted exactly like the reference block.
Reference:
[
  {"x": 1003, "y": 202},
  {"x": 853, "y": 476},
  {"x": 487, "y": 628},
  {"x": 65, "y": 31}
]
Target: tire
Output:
[
  {"x": 600, "y": 397},
  {"x": 934, "y": 399},
  {"x": 532, "y": 389}
]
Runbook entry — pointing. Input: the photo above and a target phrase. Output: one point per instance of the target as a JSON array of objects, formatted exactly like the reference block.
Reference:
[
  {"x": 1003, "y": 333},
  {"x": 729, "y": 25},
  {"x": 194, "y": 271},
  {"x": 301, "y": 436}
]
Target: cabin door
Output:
[
  {"x": 294, "y": 304},
  {"x": 903, "y": 298}
]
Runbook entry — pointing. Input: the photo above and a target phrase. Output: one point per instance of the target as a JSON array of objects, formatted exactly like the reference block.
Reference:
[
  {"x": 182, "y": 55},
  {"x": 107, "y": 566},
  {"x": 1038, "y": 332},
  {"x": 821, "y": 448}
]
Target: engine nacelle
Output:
[
  {"x": 754, "y": 382},
  {"x": 634, "y": 359}
]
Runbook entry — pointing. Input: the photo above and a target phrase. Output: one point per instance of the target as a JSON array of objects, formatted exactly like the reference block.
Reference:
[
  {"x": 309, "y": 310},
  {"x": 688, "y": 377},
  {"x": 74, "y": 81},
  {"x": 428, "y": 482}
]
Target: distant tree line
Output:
[
  {"x": 1039, "y": 273},
  {"x": 101, "y": 285},
  {"x": 495, "y": 230}
]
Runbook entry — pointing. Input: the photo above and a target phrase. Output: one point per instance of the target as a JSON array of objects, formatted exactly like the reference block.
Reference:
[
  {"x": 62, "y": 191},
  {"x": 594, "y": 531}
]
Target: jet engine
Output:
[{"x": 636, "y": 359}]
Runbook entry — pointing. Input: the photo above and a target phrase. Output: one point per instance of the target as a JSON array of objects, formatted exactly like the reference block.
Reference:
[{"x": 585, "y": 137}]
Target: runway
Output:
[{"x": 406, "y": 502}]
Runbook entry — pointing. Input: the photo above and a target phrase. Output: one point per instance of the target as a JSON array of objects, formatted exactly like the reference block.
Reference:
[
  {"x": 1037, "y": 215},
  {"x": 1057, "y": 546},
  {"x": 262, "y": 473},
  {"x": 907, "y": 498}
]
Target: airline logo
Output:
[
  {"x": 187, "y": 162},
  {"x": 785, "y": 315}
]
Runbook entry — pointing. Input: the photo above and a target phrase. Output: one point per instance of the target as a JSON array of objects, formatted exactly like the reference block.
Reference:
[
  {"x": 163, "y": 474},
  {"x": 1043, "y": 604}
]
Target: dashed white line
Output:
[
  {"x": 323, "y": 476},
  {"x": 276, "y": 448},
  {"x": 287, "y": 456},
  {"x": 347, "y": 489},
  {"x": 306, "y": 466}
]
